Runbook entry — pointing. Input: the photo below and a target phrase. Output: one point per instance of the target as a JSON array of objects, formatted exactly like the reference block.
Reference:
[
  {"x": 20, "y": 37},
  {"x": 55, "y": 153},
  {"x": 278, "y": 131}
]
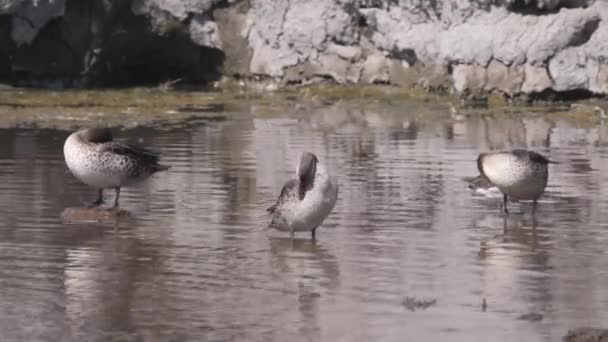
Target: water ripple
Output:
[{"x": 196, "y": 261}]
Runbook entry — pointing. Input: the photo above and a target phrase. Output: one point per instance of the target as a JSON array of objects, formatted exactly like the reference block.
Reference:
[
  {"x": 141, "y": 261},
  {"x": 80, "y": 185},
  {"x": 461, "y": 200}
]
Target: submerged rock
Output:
[
  {"x": 505, "y": 46},
  {"x": 85, "y": 214}
]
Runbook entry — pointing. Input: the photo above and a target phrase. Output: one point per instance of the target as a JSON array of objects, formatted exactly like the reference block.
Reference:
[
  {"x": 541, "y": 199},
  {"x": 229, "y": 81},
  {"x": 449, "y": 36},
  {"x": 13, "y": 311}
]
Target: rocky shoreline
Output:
[{"x": 507, "y": 47}]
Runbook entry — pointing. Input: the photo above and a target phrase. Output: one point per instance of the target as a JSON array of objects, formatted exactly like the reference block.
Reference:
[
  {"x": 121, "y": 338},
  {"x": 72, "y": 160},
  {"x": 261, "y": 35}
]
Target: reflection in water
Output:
[
  {"x": 311, "y": 271},
  {"x": 193, "y": 260}
]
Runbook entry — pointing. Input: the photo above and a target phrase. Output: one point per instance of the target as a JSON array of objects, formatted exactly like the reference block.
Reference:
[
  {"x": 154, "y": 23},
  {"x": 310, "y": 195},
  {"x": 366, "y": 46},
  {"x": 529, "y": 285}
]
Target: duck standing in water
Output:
[
  {"x": 481, "y": 186},
  {"x": 519, "y": 174},
  {"x": 306, "y": 201},
  {"x": 96, "y": 160}
]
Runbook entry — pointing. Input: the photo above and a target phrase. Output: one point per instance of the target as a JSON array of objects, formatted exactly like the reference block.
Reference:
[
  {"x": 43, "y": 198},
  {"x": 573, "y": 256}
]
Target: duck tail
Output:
[
  {"x": 160, "y": 167},
  {"x": 271, "y": 209}
]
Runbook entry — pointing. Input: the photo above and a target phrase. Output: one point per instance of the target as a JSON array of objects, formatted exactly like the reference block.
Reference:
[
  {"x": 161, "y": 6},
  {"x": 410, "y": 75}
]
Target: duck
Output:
[
  {"x": 519, "y": 174},
  {"x": 97, "y": 160},
  {"x": 305, "y": 201}
]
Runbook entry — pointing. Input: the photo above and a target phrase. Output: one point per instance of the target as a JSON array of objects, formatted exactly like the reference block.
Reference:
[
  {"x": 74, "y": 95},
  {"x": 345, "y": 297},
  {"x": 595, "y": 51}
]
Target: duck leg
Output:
[
  {"x": 99, "y": 199},
  {"x": 534, "y": 205},
  {"x": 505, "y": 199},
  {"x": 117, "y": 189},
  {"x": 313, "y": 232}
]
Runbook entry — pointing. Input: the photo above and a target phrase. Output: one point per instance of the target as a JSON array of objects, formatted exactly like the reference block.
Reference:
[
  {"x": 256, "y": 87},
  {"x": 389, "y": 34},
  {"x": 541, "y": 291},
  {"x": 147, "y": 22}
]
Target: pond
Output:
[{"x": 409, "y": 252}]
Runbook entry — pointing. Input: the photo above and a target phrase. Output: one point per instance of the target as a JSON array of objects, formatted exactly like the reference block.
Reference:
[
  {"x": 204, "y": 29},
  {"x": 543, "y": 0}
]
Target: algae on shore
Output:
[{"x": 67, "y": 109}]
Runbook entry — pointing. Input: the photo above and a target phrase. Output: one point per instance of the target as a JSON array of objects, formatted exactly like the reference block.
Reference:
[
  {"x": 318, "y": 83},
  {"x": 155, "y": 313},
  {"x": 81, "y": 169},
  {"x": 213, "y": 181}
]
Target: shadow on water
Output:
[{"x": 190, "y": 258}]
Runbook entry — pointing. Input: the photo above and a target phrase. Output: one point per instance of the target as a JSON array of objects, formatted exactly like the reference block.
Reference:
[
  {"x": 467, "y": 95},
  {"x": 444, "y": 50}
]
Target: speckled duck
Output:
[
  {"x": 96, "y": 160},
  {"x": 307, "y": 200},
  {"x": 519, "y": 174}
]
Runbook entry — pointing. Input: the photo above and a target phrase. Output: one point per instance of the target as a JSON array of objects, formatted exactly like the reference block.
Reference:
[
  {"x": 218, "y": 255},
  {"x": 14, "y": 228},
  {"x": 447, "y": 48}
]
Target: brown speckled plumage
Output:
[
  {"x": 519, "y": 174},
  {"x": 98, "y": 161},
  {"x": 305, "y": 201}
]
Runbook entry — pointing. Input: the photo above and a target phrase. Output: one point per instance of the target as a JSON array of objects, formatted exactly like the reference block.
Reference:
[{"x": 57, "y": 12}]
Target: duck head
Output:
[{"x": 97, "y": 135}]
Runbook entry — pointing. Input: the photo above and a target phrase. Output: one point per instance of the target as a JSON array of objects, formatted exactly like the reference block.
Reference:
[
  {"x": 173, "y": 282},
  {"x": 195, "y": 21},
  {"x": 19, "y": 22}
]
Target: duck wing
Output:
[
  {"x": 137, "y": 153},
  {"x": 539, "y": 158},
  {"x": 290, "y": 190}
]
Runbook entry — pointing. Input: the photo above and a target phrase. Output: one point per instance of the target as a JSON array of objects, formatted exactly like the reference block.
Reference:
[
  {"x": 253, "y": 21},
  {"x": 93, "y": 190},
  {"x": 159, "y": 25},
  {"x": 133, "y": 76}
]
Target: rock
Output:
[
  {"x": 284, "y": 33},
  {"x": 596, "y": 47},
  {"x": 333, "y": 66},
  {"x": 180, "y": 9},
  {"x": 396, "y": 30},
  {"x": 599, "y": 84},
  {"x": 568, "y": 69},
  {"x": 97, "y": 43},
  {"x": 375, "y": 69},
  {"x": 536, "y": 79},
  {"x": 507, "y": 46},
  {"x": 503, "y": 78},
  {"x": 30, "y": 16},
  {"x": 350, "y": 53},
  {"x": 232, "y": 27},
  {"x": 402, "y": 74},
  {"x": 587, "y": 335},
  {"x": 264, "y": 38},
  {"x": 521, "y": 38},
  {"x": 205, "y": 32},
  {"x": 469, "y": 77},
  {"x": 75, "y": 215}
]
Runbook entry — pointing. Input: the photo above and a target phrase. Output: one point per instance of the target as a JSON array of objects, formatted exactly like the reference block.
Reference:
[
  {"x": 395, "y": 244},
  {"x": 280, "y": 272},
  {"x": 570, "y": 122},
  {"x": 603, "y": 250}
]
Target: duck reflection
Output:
[
  {"x": 513, "y": 261},
  {"x": 101, "y": 286},
  {"x": 309, "y": 269}
]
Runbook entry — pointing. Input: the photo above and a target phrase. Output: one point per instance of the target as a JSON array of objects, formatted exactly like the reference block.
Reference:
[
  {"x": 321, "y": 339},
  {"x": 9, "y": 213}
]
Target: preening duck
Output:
[
  {"x": 95, "y": 159},
  {"x": 519, "y": 174},
  {"x": 307, "y": 200}
]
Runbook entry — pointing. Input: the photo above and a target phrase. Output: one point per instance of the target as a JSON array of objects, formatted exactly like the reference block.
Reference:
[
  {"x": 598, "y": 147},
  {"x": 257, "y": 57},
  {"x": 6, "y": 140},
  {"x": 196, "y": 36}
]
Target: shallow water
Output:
[{"x": 409, "y": 253}]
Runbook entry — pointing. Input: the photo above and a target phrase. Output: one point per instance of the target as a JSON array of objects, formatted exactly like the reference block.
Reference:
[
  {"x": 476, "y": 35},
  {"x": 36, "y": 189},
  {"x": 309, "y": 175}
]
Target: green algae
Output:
[
  {"x": 126, "y": 107},
  {"x": 366, "y": 92},
  {"x": 130, "y": 107},
  {"x": 114, "y": 98}
]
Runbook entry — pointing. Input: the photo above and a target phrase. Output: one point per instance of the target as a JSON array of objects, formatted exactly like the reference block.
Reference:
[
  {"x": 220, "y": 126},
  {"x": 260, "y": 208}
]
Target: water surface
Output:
[{"x": 194, "y": 261}]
